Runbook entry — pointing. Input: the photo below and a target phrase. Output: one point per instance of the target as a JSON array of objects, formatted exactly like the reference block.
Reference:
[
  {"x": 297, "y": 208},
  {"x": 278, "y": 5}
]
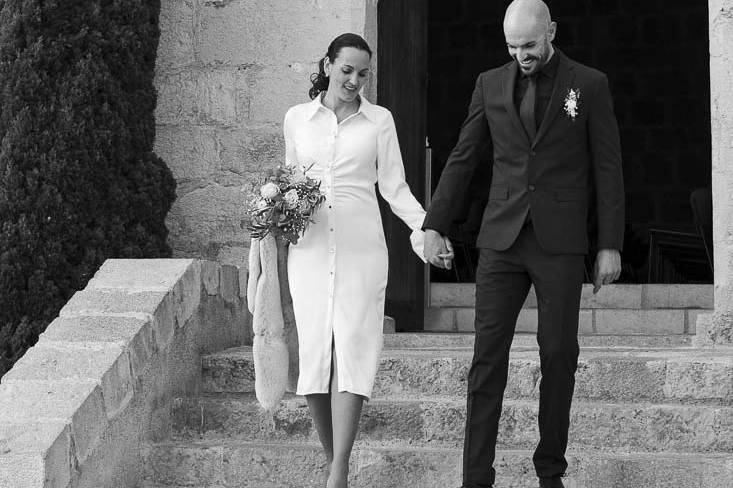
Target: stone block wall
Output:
[
  {"x": 227, "y": 71},
  {"x": 655, "y": 54},
  {"x": 650, "y": 309},
  {"x": 102, "y": 378}
]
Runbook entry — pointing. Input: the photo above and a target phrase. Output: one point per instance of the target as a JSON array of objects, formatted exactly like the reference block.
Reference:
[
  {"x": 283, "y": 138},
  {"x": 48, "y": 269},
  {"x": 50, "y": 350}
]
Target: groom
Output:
[{"x": 556, "y": 154}]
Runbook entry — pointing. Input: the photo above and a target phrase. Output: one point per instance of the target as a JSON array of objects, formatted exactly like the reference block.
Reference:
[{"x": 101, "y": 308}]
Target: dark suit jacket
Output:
[{"x": 553, "y": 177}]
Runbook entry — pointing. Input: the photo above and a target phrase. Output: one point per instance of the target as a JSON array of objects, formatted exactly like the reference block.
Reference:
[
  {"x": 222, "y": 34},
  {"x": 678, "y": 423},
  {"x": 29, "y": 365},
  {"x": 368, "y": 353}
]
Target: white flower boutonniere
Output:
[{"x": 572, "y": 101}]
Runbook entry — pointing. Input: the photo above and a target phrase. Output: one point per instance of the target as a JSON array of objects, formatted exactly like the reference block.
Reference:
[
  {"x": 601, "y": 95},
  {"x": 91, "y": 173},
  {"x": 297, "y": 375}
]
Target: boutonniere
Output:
[{"x": 572, "y": 100}]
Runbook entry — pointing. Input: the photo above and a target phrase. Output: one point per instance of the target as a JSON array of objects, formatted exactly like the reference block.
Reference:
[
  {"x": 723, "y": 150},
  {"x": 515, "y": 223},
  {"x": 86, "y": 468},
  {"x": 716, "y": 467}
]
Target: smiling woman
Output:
[
  {"x": 338, "y": 270},
  {"x": 345, "y": 47}
]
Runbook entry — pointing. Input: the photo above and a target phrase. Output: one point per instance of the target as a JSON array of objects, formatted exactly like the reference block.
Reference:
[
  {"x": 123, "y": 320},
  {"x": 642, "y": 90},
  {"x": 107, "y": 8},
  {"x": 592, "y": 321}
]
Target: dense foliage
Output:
[{"x": 79, "y": 182}]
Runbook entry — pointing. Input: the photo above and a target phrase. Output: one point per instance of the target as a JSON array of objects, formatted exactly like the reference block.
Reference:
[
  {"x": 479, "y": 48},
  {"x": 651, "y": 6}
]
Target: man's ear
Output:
[{"x": 552, "y": 31}]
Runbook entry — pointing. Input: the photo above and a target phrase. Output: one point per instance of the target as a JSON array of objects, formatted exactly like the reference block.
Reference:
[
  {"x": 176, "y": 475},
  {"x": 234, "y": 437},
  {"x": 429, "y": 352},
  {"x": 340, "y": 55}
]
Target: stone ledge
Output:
[
  {"x": 143, "y": 274},
  {"x": 590, "y": 320},
  {"x": 617, "y": 296},
  {"x": 35, "y": 453},
  {"x": 133, "y": 334},
  {"x": 109, "y": 360},
  {"x": 440, "y": 340},
  {"x": 79, "y": 404},
  {"x": 170, "y": 296},
  {"x": 107, "y": 364}
]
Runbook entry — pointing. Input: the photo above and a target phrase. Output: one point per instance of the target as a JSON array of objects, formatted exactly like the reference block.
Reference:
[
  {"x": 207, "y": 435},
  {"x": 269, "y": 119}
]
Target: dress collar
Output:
[{"x": 366, "y": 108}]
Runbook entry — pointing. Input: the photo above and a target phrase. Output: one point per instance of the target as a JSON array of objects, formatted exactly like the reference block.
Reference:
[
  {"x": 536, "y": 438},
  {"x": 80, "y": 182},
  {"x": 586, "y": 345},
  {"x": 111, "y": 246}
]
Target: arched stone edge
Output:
[{"x": 99, "y": 382}]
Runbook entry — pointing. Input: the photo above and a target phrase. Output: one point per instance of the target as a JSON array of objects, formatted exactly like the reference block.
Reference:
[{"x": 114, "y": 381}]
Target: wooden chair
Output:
[
  {"x": 701, "y": 201},
  {"x": 677, "y": 256}
]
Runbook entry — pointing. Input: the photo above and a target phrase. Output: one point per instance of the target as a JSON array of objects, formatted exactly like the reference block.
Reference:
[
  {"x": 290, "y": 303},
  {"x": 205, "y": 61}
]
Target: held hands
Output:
[
  {"x": 438, "y": 250},
  {"x": 607, "y": 268}
]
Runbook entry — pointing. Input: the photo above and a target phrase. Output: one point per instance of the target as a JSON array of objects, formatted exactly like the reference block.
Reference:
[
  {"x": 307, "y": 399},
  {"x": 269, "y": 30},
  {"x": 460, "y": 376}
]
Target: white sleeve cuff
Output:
[{"x": 417, "y": 239}]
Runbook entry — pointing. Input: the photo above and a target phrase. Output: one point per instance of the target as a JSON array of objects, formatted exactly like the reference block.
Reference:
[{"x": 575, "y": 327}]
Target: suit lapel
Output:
[
  {"x": 508, "y": 80},
  {"x": 563, "y": 79}
]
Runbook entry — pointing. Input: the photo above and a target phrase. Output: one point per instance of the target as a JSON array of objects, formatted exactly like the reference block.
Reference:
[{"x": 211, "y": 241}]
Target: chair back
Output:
[{"x": 701, "y": 201}]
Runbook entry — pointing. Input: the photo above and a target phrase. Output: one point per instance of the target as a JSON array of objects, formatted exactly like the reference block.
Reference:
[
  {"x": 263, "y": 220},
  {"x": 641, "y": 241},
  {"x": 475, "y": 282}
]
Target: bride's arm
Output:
[{"x": 392, "y": 185}]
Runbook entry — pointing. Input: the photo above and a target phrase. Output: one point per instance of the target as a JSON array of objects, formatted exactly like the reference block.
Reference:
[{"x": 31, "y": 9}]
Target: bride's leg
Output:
[
  {"x": 319, "y": 405},
  {"x": 320, "y": 409},
  {"x": 346, "y": 410}
]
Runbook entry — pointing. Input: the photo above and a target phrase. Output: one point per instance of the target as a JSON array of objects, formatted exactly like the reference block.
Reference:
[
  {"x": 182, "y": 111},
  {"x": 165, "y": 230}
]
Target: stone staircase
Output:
[{"x": 650, "y": 411}]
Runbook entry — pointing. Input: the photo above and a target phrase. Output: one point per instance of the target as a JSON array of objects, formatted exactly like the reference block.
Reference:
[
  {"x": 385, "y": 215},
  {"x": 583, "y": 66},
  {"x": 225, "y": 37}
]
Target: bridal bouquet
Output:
[{"x": 286, "y": 204}]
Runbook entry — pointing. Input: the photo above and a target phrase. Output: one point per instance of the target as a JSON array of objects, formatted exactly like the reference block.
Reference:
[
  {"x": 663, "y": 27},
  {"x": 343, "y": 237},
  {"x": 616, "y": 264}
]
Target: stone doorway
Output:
[
  {"x": 714, "y": 62},
  {"x": 656, "y": 57}
]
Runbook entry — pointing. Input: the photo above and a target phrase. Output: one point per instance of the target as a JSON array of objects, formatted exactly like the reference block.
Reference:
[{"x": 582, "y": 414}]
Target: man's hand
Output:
[
  {"x": 607, "y": 268},
  {"x": 438, "y": 249}
]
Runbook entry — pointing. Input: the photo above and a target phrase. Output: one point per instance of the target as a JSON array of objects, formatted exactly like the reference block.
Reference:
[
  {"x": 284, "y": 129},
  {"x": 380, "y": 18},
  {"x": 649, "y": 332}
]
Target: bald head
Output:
[
  {"x": 524, "y": 12},
  {"x": 529, "y": 32}
]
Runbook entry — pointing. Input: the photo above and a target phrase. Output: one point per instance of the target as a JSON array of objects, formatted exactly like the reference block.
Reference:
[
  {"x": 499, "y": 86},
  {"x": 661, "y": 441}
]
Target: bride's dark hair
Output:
[{"x": 320, "y": 80}]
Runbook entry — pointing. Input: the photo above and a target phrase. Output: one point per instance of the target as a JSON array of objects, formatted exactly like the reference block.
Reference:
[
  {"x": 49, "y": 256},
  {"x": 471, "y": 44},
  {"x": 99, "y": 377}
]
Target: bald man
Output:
[{"x": 556, "y": 155}]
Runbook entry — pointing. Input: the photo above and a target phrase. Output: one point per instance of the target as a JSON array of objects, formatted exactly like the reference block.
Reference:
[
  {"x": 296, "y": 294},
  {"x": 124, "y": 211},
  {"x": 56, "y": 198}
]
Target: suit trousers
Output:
[{"x": 503, "y": 279}]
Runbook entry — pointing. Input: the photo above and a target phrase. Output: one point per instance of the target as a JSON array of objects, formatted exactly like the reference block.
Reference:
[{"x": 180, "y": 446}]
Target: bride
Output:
[{"x": 338, "y": 270}]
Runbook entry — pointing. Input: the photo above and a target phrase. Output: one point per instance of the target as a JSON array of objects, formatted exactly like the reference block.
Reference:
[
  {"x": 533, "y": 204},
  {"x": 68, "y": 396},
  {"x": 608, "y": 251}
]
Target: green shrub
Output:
[{"x": 79, "y": 182}]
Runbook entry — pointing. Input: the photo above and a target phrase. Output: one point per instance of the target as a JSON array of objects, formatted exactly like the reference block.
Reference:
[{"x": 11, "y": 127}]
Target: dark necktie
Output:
[{"x": 526, "y": 108}]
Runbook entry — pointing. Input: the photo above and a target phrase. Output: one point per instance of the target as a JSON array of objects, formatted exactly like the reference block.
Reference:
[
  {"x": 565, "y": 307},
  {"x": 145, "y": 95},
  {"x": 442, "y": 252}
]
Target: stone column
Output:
[{"x": 719, "y": 330}]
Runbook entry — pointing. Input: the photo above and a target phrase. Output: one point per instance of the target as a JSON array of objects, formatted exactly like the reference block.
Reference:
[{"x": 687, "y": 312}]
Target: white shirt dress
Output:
[{"x": 338, "y": 269}]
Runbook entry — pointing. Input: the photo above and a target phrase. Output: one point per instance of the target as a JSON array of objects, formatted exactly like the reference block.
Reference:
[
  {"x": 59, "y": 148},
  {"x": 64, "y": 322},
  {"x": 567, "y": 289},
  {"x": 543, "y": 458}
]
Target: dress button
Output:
[{"x": 531, "y": 187}]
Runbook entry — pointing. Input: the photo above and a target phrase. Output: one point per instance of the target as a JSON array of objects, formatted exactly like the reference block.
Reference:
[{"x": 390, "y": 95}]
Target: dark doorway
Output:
[
  {"x": 656, "y": 57},
  {"x": 402, "y": 88}
]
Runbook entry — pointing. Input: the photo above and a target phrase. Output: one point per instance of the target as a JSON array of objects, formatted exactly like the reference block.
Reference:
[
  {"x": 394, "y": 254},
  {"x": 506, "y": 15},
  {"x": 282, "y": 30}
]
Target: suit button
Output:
[
  {"x": 531, "y": 187},
  {"x": 533, "y": 153}
]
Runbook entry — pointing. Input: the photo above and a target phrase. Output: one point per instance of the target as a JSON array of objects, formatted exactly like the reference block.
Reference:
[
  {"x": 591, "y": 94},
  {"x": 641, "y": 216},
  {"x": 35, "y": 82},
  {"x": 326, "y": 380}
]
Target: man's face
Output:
[{"x": 529, "y": 45}]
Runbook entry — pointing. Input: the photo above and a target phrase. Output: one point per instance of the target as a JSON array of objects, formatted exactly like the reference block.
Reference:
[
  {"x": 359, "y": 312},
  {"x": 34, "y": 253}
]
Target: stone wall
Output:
[
  {"x": 101, "y": 380},
  {"x": 656, "y": 56},
  {"x": 720, "y": 331},
  {"x": 227, "y": 71}
]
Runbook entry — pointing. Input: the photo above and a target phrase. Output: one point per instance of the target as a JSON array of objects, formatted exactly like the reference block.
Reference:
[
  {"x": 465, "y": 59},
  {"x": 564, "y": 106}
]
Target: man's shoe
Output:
[{"x": 554, "y": 482}]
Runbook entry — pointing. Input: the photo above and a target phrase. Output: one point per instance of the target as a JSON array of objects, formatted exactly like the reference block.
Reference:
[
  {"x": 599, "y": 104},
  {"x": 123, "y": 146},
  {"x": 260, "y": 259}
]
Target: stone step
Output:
[
  {"x": 605, "y": 321},
  {"x": 260, "y": 465},
  {"x": 678, "y": 375},
  {"x": 434, "y": 422},
  {"x": 441, "y": 340},
  {"x": 616, "y": 309},
  {"x": 616, "y": 296}
]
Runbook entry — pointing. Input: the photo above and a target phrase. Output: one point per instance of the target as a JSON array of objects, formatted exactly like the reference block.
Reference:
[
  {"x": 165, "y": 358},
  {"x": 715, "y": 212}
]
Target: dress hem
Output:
[{"x": 341, "y": 390}]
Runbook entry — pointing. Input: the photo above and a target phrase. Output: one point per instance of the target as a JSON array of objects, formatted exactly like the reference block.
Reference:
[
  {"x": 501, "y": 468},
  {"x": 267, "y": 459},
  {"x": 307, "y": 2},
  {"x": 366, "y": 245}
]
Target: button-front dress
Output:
[{"x": 338, "y": 269}]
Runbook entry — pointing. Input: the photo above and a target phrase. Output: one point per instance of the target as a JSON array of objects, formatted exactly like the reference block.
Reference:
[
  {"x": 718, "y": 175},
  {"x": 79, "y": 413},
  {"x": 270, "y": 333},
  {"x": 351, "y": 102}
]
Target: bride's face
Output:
[{"x": 348, "y": 73}]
